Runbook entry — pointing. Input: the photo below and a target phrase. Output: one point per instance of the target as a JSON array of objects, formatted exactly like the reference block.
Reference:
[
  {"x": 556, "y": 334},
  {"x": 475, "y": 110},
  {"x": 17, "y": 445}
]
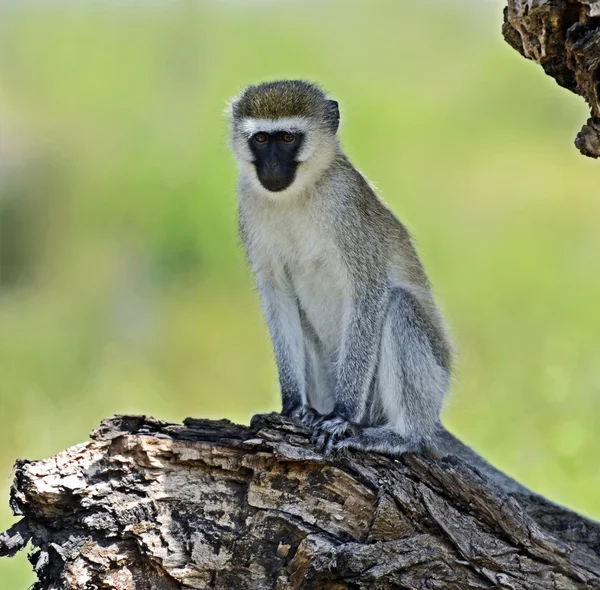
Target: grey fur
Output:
[{"x": 361, "y": 348}]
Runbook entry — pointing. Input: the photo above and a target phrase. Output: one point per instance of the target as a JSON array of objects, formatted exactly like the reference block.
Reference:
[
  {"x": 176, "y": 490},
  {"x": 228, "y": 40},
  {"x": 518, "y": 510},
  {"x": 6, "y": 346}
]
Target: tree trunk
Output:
[
  {"x": 563, "y": 36},
  {"x": 209, "y": 504}
]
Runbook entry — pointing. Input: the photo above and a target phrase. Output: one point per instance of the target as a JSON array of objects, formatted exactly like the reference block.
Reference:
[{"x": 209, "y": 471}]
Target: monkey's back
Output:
[{"x": 371, "y": 236}]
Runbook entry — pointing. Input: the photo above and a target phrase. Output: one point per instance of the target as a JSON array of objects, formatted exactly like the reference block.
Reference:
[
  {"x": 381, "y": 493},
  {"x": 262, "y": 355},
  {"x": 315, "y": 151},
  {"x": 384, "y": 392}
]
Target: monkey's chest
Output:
[
  {"x": 308, "y": 253},
  {"x": 321, "y": 299}
]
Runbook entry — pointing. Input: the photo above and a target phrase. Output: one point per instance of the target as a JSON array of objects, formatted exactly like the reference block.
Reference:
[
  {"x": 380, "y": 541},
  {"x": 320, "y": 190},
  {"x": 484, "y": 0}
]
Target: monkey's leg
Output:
[
  {"x": 283, "y": 318},
  {"x": 319, "y": 382},
  {"x": 319, "y": 392},
  {"x": 356, "y": 360},
  {"x": 319, "y": 413},
  {"x": 410, "y": 383}
]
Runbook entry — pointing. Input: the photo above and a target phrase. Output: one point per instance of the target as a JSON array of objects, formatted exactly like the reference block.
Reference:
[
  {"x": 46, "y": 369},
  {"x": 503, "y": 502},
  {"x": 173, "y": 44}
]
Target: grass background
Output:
[{"x": 124, "y": 288}]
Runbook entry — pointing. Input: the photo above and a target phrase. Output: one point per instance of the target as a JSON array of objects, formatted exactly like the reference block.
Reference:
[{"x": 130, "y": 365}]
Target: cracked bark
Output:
[
  {"x": 563, "y": 36},
  {"x": 209, "y": 504}
]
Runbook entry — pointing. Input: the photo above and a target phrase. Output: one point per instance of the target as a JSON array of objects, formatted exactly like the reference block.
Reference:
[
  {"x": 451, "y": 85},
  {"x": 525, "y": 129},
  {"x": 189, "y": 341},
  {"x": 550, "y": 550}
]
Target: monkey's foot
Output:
[
  {"x": 329, "y": 431},
  {"x": 380, "y": 440}
]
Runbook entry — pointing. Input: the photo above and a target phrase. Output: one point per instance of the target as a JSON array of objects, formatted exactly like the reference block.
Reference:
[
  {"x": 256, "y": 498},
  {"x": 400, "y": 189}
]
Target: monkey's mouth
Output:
[{"x": 276, "y": 183}]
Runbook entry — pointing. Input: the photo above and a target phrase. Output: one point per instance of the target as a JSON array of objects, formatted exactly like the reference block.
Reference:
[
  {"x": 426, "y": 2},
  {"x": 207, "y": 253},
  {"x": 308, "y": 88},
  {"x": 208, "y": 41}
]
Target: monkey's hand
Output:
[
  {"x": 303, "y": 414},
  {"x": 329, "y": 431}
]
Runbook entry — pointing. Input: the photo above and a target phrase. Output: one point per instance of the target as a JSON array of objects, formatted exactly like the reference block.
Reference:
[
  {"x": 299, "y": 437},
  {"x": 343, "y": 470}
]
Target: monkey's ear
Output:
[{"x": 332, "y": 111}]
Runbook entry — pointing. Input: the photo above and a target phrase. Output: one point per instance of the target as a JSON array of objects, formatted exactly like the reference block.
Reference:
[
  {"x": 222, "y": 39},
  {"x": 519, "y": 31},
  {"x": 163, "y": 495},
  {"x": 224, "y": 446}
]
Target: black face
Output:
[{"x": 275, "y": 157}]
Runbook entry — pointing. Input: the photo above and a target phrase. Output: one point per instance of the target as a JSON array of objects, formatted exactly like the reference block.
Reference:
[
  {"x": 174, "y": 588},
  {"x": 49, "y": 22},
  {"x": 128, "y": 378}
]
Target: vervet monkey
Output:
[{"x": 361, "y": 349}]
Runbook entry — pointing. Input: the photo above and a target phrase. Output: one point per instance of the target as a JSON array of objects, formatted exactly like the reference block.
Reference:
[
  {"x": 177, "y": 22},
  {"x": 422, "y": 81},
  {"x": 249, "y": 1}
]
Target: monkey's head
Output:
[{"x": 284, "y": 134}]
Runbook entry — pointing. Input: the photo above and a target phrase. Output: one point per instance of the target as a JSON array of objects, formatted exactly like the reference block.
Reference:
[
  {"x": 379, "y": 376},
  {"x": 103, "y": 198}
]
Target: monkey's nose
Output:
[{"x": 272, "y": 166}]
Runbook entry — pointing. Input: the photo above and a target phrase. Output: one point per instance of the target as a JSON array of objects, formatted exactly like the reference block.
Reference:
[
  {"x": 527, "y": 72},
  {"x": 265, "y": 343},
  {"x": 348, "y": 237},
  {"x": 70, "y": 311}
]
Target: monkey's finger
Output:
[
  {"x": 330, "y": 447},
  {"x": 311, "y": 417},
  {"x": 330, "y": 426},
  {"x": 314, "y": 437},
  {"x": 338, "y": 427},
  {"x": 319, "y": 432},
  {"x": 321, "y": 441}
]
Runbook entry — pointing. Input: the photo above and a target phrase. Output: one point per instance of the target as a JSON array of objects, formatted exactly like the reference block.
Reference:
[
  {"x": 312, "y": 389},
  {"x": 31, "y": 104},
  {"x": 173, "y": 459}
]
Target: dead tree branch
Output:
[
  {"x": 563, "y": 36},
  {"x": 209, "y": 504}
]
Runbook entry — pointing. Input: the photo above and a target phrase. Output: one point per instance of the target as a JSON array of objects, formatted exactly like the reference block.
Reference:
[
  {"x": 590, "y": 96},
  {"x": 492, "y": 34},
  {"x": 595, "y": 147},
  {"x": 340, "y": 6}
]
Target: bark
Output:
[
  {"x": 210, "y": 504},
  {"x": 563, "y": 36}
]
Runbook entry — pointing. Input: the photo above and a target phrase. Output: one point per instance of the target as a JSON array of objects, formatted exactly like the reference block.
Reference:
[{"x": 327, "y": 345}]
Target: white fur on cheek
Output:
[
  {"x": 311, "y": 141},
  {"x": 240, "y": 146}
]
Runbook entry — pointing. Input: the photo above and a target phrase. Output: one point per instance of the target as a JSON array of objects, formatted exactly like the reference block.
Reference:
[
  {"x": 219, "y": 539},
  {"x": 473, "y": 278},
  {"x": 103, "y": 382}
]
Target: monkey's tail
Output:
[{"x": 451, "y": 445}]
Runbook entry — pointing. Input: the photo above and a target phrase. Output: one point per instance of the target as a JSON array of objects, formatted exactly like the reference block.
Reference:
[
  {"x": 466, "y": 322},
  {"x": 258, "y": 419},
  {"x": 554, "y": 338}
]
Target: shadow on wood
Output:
[{"x": 209, "y": 504}]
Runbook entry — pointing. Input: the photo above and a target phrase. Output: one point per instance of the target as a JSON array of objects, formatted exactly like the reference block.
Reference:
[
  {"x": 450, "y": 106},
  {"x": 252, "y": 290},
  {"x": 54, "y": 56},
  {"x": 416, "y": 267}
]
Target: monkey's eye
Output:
[
  {"x": 261, "y": 138},
  {"x": 287, "y": 137}
]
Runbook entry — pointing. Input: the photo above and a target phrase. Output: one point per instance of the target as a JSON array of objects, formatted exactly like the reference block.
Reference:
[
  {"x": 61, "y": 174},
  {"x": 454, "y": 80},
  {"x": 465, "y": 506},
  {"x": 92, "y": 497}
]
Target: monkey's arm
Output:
[{"x": 283, "y": 318}]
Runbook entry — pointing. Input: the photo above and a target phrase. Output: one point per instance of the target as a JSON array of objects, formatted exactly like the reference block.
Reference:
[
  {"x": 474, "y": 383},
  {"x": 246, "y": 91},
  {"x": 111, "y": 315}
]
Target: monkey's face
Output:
[
  {"x": 275, "y": 157},
  {"x": 280, "y": 158}
]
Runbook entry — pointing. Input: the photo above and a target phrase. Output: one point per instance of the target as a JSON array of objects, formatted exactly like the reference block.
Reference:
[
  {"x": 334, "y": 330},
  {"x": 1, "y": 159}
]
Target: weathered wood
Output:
[
  {"x": 209, "y": 504},
  {"x": 563, "y": 36}
]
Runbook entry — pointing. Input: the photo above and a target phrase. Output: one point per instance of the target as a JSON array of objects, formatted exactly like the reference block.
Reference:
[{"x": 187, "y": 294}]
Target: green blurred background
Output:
[{"x": 123, "y": 287}]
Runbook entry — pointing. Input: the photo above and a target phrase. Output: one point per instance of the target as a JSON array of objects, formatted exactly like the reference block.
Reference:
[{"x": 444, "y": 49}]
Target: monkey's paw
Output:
[
  {"x": 329, "y": 431},
  {"x": 305, "y": 415}
]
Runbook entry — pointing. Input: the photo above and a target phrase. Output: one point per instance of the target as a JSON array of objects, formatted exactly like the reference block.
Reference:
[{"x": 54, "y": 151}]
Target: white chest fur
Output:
[{"x": 296, "y": 242}]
